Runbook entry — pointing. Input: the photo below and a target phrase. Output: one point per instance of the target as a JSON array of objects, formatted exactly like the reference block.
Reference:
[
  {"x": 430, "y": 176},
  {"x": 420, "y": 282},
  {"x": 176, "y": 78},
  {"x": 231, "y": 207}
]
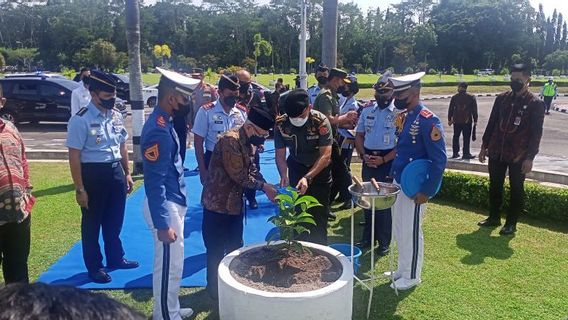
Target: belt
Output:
[
  {"x": 377, "y": 152},
  {"x": 101, "y": 164}
]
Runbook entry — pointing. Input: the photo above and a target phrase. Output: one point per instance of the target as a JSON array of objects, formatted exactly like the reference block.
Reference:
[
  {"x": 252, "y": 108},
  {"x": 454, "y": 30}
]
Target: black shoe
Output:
[
  {"x": 455, "y": 156},
  {"x": 363, "y": 244},
  {"x": 508, "y": 230},
  {"x": 331, "y": 216},
  {"x": 253, "y": 204},
  {"x": 489, "y": 223},
  {"x": 468, "y": 157},
  {"x": 124, "y": 264},
  {"x": 381, "y": 252},
  {"x": 100, "y": 276}
]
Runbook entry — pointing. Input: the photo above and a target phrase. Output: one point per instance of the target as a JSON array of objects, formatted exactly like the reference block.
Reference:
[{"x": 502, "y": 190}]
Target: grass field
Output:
[{"x": 469, "y": 273}]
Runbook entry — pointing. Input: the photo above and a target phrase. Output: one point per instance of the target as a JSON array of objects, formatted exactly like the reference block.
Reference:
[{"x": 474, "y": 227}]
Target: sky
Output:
[{"x": 549, "y": 5}]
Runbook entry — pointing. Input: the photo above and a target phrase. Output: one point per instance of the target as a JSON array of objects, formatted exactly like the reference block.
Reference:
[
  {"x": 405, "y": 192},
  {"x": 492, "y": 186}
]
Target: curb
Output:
[
  {"x": 563, "y": 109},
  {"x": 54, "y": 154}
]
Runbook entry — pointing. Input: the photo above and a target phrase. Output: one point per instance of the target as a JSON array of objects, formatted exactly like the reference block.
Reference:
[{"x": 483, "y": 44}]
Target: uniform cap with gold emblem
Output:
[
  {"x": 101, "y": 81},
  {"x": 405, "y": 82},
  {"x": 182, "y": 84},
  {"x": 339, "y": 74},
  {"x": 383, "y": 81}
]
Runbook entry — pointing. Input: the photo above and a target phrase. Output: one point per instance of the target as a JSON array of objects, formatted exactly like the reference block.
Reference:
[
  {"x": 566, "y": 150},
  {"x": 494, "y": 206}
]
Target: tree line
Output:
[{"x": 449, "y": 35}]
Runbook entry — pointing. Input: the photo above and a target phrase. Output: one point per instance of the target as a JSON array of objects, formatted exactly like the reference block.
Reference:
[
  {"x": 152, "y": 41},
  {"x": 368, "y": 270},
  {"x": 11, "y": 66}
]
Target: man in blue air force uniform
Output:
[
  {"x": 98, "y": 158},
  {"x": 166, "y": 202},
  {"x": 421, "y": 137}
]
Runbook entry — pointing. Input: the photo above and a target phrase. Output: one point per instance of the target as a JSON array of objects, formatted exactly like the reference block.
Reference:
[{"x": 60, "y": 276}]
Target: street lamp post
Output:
[{"x": 303, "y": 39}]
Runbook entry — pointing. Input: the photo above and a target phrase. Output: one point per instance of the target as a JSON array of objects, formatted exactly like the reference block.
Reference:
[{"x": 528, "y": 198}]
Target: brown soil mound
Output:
[{"x": 275, "y": 269}]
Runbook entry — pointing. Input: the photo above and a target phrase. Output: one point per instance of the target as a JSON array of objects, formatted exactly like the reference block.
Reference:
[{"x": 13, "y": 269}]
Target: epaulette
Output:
[
  {"x": 208, "y": 105},
  {"x": 161, "y": 121},
  {"x": 281, "y": 118},
  {"x": 426, "y": 113},
  {"x": 82, "y": 111},
  {"x": 367, "y": 104},
  {"x": 318, "y": 118},
  {"x": 241, "y": 107}
]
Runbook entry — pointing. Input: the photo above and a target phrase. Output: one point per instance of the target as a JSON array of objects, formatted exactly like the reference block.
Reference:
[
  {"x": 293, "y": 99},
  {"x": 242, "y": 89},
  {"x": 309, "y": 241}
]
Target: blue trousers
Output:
[
  {"x": 383, "y": 218},
  {"x": 106, "y": 187}
]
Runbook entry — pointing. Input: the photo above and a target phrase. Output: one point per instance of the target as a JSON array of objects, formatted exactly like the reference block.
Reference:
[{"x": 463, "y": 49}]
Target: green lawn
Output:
[{"x": 469, "y": 273}]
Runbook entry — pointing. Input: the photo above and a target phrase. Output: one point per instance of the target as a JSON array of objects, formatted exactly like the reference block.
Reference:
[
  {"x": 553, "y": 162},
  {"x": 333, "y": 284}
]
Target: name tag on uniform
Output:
[
  {"x": 218, "y": 122},
  {"x": 95, "y": 125},
  {"x": 386, "y": 139},
  {"x": 312, "y": 137}
]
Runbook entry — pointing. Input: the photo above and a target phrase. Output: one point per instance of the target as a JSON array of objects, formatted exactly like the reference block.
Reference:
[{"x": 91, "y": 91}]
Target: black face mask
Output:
[
  {"x": 322, "y": 80},
  {"x": 346, "y": 94},
  {"x": 244, "y": 88},
  {"x": 108, "y": 103},
  {"x": 341, "y": 90},
  {"x": 256, "y": 140},
  {"x": 230, "y": 101},
  {"x": 517, "y": 85},
  {"x": 382, "y": 102},
  {"x": 401, "y": 104},
  {"x": 461, "y": 91},
  {"x": 183, "y": 109}
]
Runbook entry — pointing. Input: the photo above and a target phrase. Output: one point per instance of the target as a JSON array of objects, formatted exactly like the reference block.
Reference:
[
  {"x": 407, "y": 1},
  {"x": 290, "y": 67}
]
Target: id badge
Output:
[
  {"x": 369, "y": 122},
  {"x": 386, "y": 139},
  {"x": 517, "y": 121}
]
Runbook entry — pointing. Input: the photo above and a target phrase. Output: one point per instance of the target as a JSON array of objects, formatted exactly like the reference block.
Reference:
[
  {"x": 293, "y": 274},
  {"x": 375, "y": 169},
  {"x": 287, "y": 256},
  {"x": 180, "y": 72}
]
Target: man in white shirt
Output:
[{"x": 80, "y": 97}]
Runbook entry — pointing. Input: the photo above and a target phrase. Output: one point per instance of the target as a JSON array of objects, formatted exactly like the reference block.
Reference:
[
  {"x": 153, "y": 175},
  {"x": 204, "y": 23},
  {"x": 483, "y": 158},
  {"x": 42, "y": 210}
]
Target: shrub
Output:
[
  {"x": 556, "y": 72},
  {"x": 432, "y": 71},
  {"x": 540, "y": 201},
  {"x": 454, "y": 71},
  {"x": 504, "y": 71},
  {"x": 409, "y": 70},
  {"x": 475, "y": 71},
  {"x": 293, "y": 71}
]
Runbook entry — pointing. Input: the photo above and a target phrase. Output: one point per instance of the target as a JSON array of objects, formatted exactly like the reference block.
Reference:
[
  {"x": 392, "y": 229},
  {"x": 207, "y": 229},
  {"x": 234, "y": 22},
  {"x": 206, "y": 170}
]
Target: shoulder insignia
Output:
[
  {"x": 323, "y": 130},
  {"x": 281, "y": 118},
  {"x": 208, "y": 106},
  {"x": 82, "y": 111},
  {"x": 426, "y": 113},
  {"x": 368, "y": 104},
  {"x": 161, "y": 122},
  {"x": 241, "y": 107},
  {"x": 435, "y": 135},
  {"x": 152, "y": 153},
  {"x": 399, "y": 122}
]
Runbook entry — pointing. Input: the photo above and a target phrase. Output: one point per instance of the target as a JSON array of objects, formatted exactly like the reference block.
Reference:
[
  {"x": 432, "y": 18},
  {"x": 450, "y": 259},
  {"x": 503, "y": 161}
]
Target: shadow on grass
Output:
[
  {"x": 543, "y": 223},
  {"x": 482, "y": 245},
  {"x": 200, "y": 302},
  {"x": 53, "y": 191}
]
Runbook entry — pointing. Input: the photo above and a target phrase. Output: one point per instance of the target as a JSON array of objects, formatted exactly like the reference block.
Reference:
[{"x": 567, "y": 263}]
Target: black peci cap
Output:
[
  {"x": 261, "y": 118},
  {"x": 296, "y": 102}
]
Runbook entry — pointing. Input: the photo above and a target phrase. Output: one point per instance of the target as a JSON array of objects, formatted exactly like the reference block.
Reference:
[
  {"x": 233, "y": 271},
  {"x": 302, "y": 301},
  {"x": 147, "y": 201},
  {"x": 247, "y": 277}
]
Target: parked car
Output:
[
  {"x": 486, "y": 72},
  {"x": 150, "y": 95},
  {"x": 122, "y": 86},
  {"x": 35, "y": 75},
  {"x": 35, "y": 99}
]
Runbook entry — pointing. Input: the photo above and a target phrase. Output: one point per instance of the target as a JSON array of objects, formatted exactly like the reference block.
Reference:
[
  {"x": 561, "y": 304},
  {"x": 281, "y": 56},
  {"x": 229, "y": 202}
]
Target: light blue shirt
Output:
[
  {"x": 313, "y": 92},
  {"x": 98, "y": 135},
  {"x": 211, "y": 123},
  {"x": 348, "y": 105},
  {"x": 378, "y": 126}
]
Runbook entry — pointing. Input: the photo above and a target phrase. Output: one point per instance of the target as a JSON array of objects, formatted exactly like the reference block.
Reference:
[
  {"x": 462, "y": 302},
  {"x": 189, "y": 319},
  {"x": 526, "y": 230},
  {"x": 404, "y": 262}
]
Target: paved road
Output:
[{"x": 553, "y": 152}]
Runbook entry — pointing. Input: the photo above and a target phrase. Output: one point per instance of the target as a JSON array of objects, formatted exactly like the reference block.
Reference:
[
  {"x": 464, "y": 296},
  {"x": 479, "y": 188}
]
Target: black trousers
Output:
[
  {"x": 207, "y": 158},
  {"x": 222, "y": 233},
  {"x": 383, "y": 218},
  {"x": 341, "y": 175},
  {"x": 106, "y": 187},
  {"x": 14, "y": 250},
  {"x": 180, "y": 127},
  {"x": 459, "y": 129},
  {"x": 547, "y": 103},
  {"x": 497, "y": 171},
  {"x": 319, "y": 189}
]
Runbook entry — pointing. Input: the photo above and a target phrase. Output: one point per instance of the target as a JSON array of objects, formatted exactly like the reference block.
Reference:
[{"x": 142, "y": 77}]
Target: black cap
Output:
[
  {"x": 340, "y": 74},
  {"x": 462, "y": 84},
  {"x": 230, "y": 82},
  {"x": 296, "y": 102},
  {"x": 521, "y": 67},
  {"x": 261, "y": 118},
  {"x": 322, "y": 68},
  {"x": 101, "y": 81}
]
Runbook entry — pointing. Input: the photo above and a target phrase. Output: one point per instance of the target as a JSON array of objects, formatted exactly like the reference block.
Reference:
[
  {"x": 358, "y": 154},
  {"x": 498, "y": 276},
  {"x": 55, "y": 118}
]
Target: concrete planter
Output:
[{"x": 239, "y": 302}]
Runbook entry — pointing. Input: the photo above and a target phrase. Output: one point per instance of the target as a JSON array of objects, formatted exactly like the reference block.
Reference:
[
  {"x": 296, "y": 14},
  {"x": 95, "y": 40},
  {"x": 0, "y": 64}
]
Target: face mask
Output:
[
  {"x": 230, "y": 100},
  {"x": 346, "y": 94},
  {"x": 322, "y": 80},
  {"x": 401, "y": 104},
  {"x": 183, "y": 109},
  {"x": 462, "y": 91},
  {"x": 298, "y": 122},
  {"x": 107, "y": 103},
  {"x": 382, "y": 102},
  {"x": 341, "y": 90},
  {"x": 517, "y": 85},
  {"x": 244, "y": 88},
  {"x": 256, "y": 140}
]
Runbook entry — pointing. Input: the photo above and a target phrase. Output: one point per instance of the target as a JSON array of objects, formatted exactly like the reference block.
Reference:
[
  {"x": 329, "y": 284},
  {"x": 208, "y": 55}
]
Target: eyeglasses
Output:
[{"x": 262, "y": 135}]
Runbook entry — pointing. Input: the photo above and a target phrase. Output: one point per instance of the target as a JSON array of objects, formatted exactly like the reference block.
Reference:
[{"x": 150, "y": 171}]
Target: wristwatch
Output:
[{"x": 310, "y": 179}]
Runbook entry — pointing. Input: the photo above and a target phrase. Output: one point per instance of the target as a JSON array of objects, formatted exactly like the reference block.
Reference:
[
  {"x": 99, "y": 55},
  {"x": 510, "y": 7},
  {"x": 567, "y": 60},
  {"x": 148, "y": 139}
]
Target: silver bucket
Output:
[{"x": 364, "y": 197}]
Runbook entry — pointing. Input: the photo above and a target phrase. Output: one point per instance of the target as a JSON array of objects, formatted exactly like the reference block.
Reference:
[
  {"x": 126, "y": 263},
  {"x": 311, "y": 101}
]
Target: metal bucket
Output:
[{"x": 364, "y": 197}]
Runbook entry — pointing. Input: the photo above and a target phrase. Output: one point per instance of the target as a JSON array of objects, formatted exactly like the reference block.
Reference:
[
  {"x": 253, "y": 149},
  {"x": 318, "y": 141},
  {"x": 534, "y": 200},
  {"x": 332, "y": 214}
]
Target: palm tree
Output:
[
  {"x": 261, "y": 47},
  {"x": 329, "y": 35},
  {"x": 135, "y": 74}
]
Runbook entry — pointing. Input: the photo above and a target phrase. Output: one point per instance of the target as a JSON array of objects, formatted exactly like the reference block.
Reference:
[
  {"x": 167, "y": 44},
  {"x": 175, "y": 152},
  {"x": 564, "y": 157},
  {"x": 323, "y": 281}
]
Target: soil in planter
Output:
[{"x": 275, "y": 269}]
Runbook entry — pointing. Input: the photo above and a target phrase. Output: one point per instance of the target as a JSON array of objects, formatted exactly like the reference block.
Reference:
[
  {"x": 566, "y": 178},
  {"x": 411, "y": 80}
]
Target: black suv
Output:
[
  {"x": 34, "y": 99},
  {"x": 122, "y": 86}
]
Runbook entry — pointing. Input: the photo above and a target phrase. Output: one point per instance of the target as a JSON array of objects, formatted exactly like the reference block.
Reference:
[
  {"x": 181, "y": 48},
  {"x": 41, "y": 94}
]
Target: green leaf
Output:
[
  {"x": 306, "y": 220},
  {"x": 306, "y": 199},
  {"x": 285, "y": 198}
]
